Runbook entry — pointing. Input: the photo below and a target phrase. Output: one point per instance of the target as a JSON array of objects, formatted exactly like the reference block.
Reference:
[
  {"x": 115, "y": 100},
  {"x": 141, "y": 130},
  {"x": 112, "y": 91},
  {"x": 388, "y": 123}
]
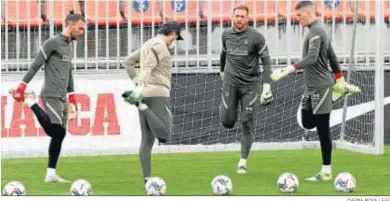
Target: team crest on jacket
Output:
[
  {"x": 246, "y": 41},
  {"x": 66, "y": 58}
]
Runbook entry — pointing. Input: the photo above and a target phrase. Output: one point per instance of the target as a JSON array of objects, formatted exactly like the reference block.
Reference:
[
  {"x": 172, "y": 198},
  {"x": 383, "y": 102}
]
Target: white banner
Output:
[{"x": 105, "y": 123}]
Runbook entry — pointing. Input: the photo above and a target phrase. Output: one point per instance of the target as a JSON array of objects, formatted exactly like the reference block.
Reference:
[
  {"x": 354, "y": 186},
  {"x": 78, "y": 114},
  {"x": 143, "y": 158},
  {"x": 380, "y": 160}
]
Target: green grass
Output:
[{"x": 191, "y": 174}]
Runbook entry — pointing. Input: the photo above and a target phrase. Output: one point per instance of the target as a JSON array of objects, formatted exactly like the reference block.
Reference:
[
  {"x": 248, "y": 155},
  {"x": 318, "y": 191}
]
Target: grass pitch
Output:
[{"x": 191, "y": 174}]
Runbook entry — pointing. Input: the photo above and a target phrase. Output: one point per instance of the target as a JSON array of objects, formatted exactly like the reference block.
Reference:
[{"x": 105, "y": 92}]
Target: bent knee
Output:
[
  {"x": 308, "y": 125},
  {"x": 308, "y": 119},
  {"x": 227, "y": 123}
]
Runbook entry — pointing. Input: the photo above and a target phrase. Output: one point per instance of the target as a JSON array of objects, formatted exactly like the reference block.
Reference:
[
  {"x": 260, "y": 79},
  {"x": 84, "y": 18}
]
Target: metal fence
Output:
[{"x": 115, "y": 28}]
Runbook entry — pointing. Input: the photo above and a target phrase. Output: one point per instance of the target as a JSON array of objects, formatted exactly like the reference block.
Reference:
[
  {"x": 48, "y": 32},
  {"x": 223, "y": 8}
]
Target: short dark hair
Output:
[
  {"x": 241, "y": 7},
  {"x": 73, "y": 17},
  {"x": 303, "y": 4}
]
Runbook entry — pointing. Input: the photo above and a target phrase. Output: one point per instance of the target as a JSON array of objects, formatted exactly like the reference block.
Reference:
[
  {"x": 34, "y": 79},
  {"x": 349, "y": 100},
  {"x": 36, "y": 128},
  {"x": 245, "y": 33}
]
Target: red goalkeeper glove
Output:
[
  {"x": 71, "y": 106},
  {"x": 19, "y": 93},
  {"x": 72, "y": 98}
]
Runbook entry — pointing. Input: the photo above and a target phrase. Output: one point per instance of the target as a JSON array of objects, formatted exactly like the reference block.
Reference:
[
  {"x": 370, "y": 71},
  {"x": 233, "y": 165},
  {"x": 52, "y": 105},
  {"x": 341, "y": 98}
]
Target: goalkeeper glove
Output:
[
  {"x": 266, "y": 97},
  {"x": 342, "y": 88},
  {"x": 134, "y": 97},
  {"x": 71, "y": 106},
  {"x": 283, "y": 72},
  {"x": 18, "y": 95}
]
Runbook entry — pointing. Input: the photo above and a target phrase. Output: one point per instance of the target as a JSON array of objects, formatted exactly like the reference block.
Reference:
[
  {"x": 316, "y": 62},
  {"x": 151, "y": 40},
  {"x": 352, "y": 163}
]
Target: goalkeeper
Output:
[
  {"x": 317, "y": 98},
  {"x": 152, "y": 92},
  {"x": 242, "y": 48},
  {"x": 56, "y": 54}
]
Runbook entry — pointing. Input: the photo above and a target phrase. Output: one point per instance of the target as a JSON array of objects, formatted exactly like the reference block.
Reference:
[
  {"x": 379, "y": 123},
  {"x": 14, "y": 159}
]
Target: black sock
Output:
[
  {"x": 323, "y": 131},
  {"x": 58, "y": 135},
  {"x": 43, "y": 119}
]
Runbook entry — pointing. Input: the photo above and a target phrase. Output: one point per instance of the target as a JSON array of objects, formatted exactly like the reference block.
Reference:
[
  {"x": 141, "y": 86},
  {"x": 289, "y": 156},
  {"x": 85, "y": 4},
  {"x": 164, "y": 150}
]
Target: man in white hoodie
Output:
[{"x": 152, "y": 92}]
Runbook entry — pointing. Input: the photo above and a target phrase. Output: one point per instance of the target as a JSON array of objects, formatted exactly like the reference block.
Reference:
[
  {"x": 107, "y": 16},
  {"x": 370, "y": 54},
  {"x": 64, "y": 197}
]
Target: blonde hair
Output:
[{"x": 241, "y": 7}]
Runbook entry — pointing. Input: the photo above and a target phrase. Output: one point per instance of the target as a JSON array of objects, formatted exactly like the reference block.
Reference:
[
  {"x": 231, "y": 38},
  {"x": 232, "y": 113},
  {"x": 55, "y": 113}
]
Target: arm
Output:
[
  {"x": 340, "y": 88},
  {"x": 71, "y": 82},
  {"x": 312, "y": 54},
  {"x": 71, "y": 97},
  {"x": 265, "y": 59},
  {"x": 334, "y": 63},
  {"x": 150, "y": 61},
  {"x": 222, "y": 61},
  {"x": 129, "y": 63},
  {"x": 266, "y": 97},
  {"x": 44, "y": 53}
]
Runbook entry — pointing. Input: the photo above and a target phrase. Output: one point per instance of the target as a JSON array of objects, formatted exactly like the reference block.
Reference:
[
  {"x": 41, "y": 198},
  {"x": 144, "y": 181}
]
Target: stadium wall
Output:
[{"x": 103, "y": 50}]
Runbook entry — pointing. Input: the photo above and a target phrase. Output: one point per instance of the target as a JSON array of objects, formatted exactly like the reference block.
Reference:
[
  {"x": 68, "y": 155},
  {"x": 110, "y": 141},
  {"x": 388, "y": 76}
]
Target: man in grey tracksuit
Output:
[
  {"x": 243, "y": 48},
  {"x": 316, "y": 104},
  {"x": 56, "y": 55},
  {"x": 153, "y": 87}
]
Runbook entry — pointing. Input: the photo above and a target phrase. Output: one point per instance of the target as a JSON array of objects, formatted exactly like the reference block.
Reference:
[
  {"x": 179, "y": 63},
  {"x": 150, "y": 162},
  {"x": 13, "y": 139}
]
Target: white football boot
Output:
[
  {"x": 55, "y": 179},
  {"x": 241, "y": 170}
]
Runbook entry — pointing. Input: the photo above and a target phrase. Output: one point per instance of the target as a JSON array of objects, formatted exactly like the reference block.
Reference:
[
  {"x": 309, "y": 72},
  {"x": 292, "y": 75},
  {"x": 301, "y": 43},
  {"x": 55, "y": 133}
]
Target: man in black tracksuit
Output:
[
  {"x": 243, "y": 47},
  {"x": 316, "y": 104},
  {"x": 57, "y": 89}
]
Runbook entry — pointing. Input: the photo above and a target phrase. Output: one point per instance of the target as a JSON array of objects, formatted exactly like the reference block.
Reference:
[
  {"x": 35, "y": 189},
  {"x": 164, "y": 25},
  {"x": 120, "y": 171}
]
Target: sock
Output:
[
  {"x": 29, "y": 101},
  {"x": 242, "y": 162},
  {"x": 142, "y": 107},
  {"x": 326, "y": 169},
  {"x": 58, "y": 135},
  {"x": 323, "y": 131},
  {"x": 51, "y": 172}
]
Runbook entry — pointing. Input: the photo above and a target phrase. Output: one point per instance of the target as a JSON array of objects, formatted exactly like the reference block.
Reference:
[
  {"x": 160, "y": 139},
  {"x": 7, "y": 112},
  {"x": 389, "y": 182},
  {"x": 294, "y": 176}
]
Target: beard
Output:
[
  {"x": 74, "y": 37},
  {"x": 239, "y": 26}
]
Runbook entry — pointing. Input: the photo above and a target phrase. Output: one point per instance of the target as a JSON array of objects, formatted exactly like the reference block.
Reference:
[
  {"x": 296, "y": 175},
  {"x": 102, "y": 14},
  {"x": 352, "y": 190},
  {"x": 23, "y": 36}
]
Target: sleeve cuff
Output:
[
  {"x": 72, "y": 98},
  {"x": 295, "y": 66},
  {"x": 338, "y": 75},
  {"x": 23, "y": 85}
]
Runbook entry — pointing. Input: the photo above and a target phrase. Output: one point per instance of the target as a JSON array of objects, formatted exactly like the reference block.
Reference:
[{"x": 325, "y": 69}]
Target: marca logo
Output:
[
  {"x": 354, "y": 111},
  {"x": 104, "y": 114}
]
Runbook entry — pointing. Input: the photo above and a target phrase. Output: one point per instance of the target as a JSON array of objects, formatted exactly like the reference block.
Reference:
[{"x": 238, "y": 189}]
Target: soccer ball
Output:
[
  {"x": 221, "y": 185},
  {"x": 81, "y": 187},
  {"x": 288, "y": 183},
  {"x": 345, "y": 182},
  {"x": 14, "y": 188},
  {"x": 155, "y": 186}
]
